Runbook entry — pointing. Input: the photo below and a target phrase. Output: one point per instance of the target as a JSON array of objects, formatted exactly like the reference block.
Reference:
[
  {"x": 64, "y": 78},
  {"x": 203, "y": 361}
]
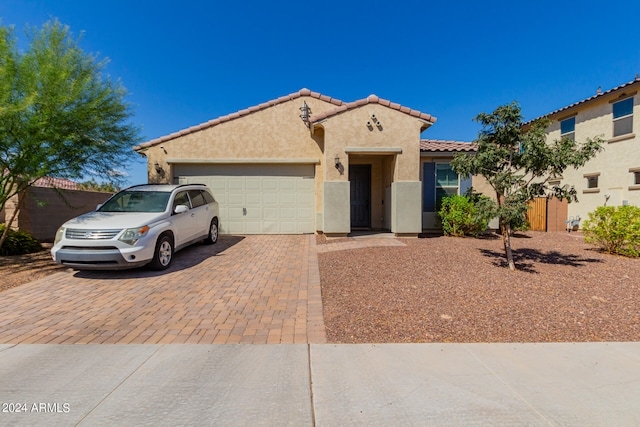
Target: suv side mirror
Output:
[{"x": 181, "y": 209}]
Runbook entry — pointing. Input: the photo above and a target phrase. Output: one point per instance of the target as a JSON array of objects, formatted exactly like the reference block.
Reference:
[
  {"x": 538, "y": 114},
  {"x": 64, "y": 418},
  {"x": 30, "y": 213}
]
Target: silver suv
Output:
[{"x": 143, "y": 224}]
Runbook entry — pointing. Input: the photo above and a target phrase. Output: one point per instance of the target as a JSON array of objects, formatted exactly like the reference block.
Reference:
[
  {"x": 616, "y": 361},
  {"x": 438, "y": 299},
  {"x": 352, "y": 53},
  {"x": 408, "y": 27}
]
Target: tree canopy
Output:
[
  {"x": 60, "y": 114},
  {"x": 518, "y": 162}
]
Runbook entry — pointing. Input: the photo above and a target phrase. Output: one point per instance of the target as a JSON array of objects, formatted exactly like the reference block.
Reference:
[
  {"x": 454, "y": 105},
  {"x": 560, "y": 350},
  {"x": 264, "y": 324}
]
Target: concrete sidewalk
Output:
[{"x": 321, "y": 384}]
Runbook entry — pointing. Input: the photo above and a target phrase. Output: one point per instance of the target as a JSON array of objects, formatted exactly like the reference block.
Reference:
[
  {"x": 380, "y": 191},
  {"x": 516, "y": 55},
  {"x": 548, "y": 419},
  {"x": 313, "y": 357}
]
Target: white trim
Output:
[
  {"x": 373, "y": 150},
  {"x": 245, "y": 161}
]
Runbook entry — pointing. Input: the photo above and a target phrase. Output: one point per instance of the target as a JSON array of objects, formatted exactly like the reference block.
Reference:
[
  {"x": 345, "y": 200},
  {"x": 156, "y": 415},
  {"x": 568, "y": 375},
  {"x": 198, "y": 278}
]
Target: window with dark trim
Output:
[
  {"x": 439, "y": 180},
  {"x": 592, "y": 181},
  {"x": 623, "y": 117},
  {"x": 568, "y": 128}
]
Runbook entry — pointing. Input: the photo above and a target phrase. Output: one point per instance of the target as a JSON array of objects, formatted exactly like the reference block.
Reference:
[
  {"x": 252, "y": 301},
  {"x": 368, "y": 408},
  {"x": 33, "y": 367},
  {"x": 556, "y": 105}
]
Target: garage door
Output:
[{"x": 258, "y": 199}]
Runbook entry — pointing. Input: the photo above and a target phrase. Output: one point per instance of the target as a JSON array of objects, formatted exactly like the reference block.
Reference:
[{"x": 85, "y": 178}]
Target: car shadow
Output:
[
  {"x": 525, "y": 259},
  {"x": 182, "y": 260}
]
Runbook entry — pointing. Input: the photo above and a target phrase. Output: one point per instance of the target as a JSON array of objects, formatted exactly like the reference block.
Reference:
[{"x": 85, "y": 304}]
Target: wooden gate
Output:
[
  {"x": 547, "y": 214},
  {"x": 537, "y": 214}
]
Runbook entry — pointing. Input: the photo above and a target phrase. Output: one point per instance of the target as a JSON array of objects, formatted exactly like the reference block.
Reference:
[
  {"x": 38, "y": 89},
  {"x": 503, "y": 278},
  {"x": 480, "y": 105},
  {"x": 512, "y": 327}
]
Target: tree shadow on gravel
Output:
[{"x": 525, "y": 259}]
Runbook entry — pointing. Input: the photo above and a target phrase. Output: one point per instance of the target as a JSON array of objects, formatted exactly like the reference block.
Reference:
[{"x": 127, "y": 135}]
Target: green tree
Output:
[
  {"x": 105, "y": 187},
  {"x": 517, "y": 163},
  {"x": 60, "y": 115}
]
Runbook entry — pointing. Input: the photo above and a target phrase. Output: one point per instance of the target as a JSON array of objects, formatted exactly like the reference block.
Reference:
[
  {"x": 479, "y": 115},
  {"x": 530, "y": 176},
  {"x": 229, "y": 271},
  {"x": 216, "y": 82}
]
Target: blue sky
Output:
[{"x": 187, "y": 62}]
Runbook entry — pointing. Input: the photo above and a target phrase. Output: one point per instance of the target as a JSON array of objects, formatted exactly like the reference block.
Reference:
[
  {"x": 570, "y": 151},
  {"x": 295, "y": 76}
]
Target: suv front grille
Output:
[{"x": 78, "y": 234}]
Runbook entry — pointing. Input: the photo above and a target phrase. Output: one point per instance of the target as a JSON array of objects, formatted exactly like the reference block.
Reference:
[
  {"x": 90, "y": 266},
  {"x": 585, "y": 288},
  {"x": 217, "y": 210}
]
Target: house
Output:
[
  {"x": 612, "y": 178},
  {"x": 306, "y": 163},
  {"x": 47, "y": 204}
]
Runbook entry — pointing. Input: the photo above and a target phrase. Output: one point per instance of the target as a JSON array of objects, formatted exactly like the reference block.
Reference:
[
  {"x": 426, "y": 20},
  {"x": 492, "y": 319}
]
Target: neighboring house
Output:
[
  {"x": 612, "y": 178},
  {"x": 307, "y": 162},
  {"x": 47, "y": 204}
]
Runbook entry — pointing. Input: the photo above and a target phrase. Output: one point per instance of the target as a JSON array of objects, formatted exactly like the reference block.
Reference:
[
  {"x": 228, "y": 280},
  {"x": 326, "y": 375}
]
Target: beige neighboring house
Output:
[
  {"x": 612, "y": 178},
  {"x": 306, "y": 163}
]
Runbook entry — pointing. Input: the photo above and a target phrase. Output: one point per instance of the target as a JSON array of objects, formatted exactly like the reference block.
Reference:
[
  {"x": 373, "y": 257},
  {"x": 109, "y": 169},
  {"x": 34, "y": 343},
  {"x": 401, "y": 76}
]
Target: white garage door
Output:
[{"x": 258, "y": 199}]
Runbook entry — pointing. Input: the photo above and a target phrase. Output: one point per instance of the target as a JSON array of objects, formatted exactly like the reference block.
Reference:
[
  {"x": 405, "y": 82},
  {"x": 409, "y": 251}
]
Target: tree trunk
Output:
[
  {"x": 8, "y": 223},
  {"x": 506, "y": 240}
]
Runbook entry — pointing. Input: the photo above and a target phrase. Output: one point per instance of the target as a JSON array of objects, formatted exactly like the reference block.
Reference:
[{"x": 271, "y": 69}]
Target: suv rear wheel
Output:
[{"x": 163, "y": 254}]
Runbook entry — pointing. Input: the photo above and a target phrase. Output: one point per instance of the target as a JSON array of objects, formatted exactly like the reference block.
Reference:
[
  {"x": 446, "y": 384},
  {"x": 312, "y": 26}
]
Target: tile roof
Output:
[
  {"x": 590, "y": 99},
  {"x": 440, "y": 145},
  {"x": 238, "y": 114},
  {"x": 372, "y": 99},
  {"x": 61, "y": 183}
]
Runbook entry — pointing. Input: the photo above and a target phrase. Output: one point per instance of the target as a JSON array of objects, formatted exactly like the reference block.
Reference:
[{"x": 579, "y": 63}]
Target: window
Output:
[
  {"x": 636, "y": 178},
  {"x": 197, "y": 199},
  {"x": 446, "y": 182},
  {"x": 623, "y": 117},
  {"x": 592, "y": 181},
  {"x": 181, "y": 199},
  {"x": 568, "y": 128}
]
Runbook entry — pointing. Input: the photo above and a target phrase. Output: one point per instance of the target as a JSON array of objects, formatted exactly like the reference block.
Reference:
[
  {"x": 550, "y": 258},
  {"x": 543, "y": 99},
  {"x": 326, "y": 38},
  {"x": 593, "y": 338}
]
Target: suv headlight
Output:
[
  {"x": 59, "y": 235},
  {"x": 132, "y": 235}
]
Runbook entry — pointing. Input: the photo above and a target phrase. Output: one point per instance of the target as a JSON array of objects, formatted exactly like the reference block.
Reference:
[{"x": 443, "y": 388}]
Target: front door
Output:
[{"x": 360, "y": 178}]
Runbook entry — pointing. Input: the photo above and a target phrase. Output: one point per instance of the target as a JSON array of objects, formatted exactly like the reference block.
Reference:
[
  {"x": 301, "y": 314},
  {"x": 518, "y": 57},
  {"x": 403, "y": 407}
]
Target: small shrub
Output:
[
  {"x": 464, "y": 215},
  {"x": 18, "y": 243},
  {"x": 614, "y": 229}
]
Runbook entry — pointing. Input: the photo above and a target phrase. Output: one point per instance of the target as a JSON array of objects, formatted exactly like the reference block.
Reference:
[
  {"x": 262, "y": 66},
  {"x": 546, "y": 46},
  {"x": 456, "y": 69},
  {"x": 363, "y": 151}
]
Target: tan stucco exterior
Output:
[
  {"x": 371, "y": 131},
  {"x": 614, "y": 165}
]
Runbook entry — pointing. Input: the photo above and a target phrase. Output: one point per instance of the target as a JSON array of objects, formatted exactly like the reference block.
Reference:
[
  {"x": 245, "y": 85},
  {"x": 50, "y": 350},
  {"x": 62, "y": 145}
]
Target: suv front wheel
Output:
[{"x": 163, "y": 254}]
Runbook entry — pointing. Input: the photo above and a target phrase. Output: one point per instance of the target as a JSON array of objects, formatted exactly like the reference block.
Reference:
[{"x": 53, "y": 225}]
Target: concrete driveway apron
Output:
[{"x": 244, "y": 289}]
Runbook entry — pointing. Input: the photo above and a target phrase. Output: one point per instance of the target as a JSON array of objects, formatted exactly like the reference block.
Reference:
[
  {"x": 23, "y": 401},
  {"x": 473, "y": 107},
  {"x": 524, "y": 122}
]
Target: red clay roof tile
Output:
[
  {"x": 61, "y": 183},
  {"x": 238, "y": 114},
  {"x": 372, "y": 99},
  {"x": 439, "y": 145}
]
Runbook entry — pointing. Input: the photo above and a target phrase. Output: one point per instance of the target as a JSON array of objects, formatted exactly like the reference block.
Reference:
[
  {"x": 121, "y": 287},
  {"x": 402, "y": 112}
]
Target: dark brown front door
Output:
[{"x": 360, "y": 178}]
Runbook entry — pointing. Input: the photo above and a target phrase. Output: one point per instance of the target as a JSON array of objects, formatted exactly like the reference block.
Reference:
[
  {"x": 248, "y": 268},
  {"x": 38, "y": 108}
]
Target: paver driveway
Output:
[{"x": 250, "y": 289}]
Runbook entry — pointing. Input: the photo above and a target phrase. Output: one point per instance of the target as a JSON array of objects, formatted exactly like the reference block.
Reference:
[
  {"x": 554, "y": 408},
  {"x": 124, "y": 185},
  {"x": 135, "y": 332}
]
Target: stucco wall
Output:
[
  {"x": 397, "y": 130},
  {"x": 277, "y": 135},
  {"x": 276, "y": 132},
  {"x": 612, "y": 164}
]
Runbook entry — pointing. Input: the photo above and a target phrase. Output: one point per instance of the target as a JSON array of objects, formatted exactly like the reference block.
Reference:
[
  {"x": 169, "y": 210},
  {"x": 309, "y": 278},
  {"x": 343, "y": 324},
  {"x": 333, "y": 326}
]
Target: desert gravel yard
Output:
[{"x": 446, "y": 289}]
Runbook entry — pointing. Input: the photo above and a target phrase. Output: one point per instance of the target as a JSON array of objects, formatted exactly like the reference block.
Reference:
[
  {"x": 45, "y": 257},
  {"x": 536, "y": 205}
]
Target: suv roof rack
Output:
[{"x": 172, "y": 185}]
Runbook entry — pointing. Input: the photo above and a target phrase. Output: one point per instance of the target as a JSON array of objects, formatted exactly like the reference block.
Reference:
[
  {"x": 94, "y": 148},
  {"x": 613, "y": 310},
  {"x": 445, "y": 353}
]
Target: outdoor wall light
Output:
[
  {"x": 337, "y": 160},
  {"x": 157, "y": 167}
]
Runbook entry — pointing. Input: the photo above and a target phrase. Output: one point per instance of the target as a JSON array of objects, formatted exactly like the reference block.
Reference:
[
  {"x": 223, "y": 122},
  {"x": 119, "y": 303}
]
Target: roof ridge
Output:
[
  {"x": 238, "y": 114},
  {"x": 372, "y": 99},
  {"x": 447, "y": 141}
]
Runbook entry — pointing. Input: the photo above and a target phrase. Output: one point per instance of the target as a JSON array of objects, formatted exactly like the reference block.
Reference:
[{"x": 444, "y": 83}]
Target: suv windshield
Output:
[{"x": 137, "y": 201}]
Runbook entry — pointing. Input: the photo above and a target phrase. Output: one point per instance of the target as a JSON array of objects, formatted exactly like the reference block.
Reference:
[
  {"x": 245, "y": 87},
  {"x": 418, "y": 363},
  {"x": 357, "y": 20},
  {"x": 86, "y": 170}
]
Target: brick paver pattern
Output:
[{"x": 252, "y": 289}]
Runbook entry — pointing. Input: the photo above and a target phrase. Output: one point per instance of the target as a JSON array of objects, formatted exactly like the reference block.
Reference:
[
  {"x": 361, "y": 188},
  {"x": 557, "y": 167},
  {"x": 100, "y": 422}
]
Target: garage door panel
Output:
[
  {"x": 259, "y": 199},
  {"x": 270, "y": 213},
  {"x": 270, "y": 199},
  {"x": 235, "y": 184},
  {"x": 288, "y": 213},
  {"x": 270, "y": 184},
  {"x": 287, "y": 199}
]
